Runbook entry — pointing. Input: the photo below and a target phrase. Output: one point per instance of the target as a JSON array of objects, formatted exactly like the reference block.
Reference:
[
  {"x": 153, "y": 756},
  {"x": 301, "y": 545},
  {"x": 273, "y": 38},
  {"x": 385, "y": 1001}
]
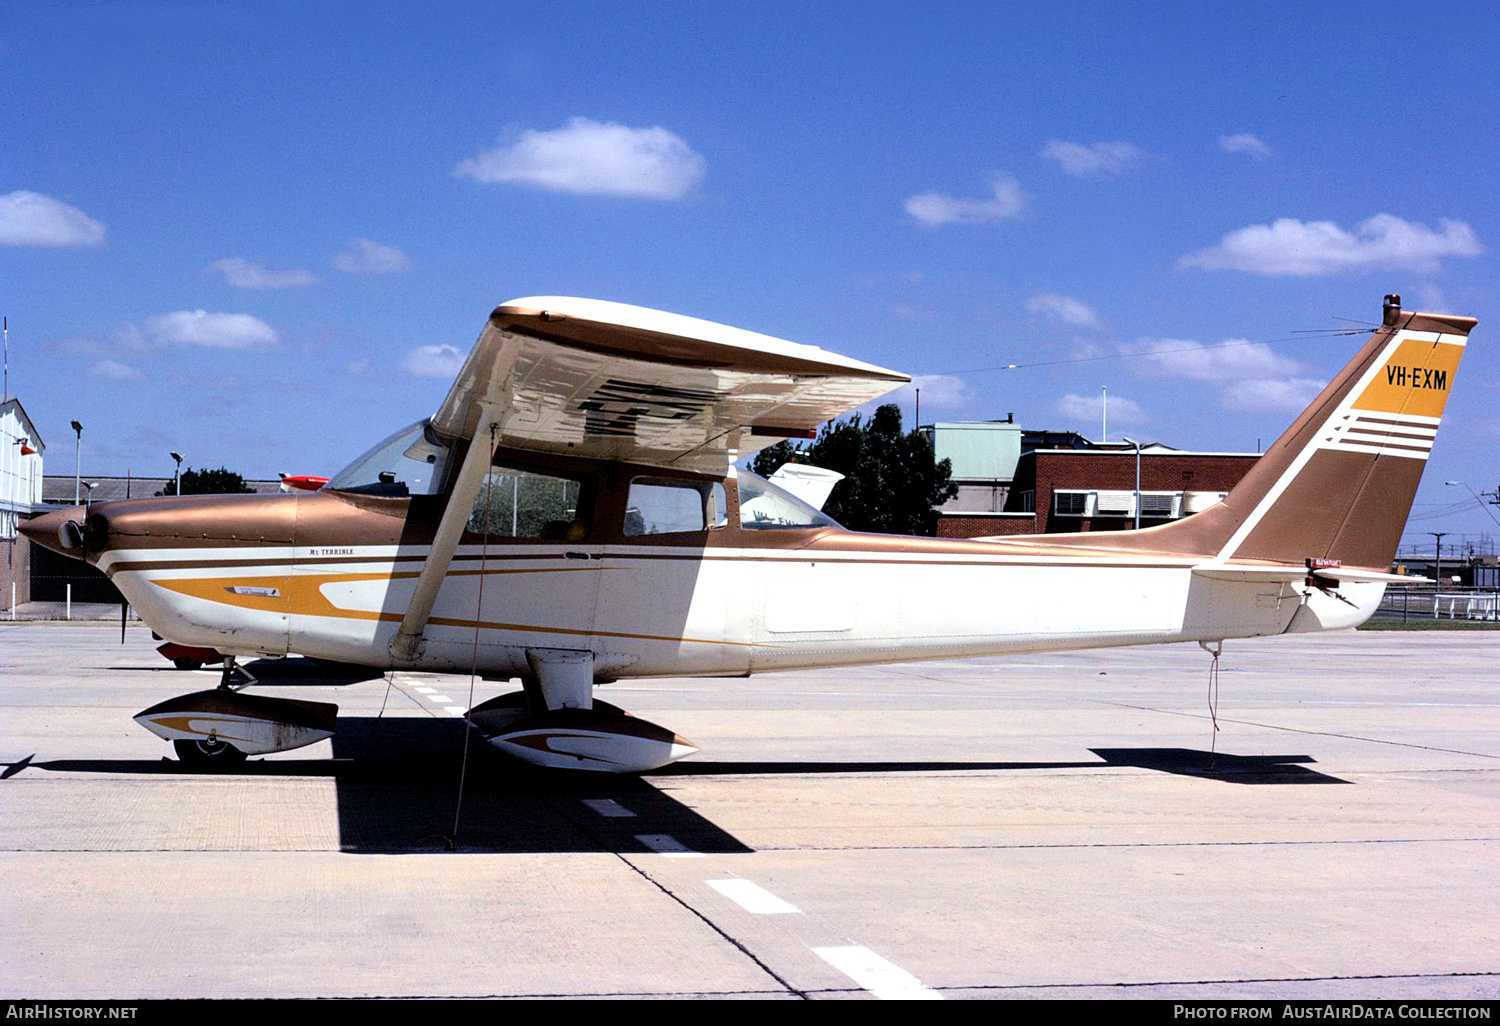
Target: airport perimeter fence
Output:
[{"x": 1452, "y": 602}]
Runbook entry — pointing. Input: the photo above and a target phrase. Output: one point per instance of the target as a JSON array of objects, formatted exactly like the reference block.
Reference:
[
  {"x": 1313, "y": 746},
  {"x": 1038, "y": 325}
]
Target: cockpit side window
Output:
[
  {"x": 413, "y": 461},
  {"x": 516, "y": 503}
]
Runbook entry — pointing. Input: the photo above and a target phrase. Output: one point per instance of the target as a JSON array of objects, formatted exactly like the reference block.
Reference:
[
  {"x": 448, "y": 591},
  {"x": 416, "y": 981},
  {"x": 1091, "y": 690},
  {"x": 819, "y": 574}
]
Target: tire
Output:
[
  {"x": 187, "y": 664},
  {"x": 208, "y": 755}
]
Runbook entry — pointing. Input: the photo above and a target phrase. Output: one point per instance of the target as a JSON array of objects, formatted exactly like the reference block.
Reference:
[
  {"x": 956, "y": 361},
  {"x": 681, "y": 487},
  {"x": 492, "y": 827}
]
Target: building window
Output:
[
  {"x": 1158, "y": 504},
  {"x": 1071, "y": 504}
]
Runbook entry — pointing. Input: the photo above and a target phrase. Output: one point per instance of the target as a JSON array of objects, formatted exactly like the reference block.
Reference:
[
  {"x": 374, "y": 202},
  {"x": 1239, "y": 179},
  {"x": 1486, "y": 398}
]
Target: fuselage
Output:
[{"x": 330, "y": 574}]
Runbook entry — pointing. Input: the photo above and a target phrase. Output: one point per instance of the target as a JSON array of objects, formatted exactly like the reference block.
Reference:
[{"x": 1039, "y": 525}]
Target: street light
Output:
[
  {"x": 1482, "y": 504},
  {"x": 1439, "y": 536},
  {"x": 77, "y": 458},
  {"x": 178, "y": 457},
  {"x": 1132, "y": 441},
  {"x": 90, "y": 485}
]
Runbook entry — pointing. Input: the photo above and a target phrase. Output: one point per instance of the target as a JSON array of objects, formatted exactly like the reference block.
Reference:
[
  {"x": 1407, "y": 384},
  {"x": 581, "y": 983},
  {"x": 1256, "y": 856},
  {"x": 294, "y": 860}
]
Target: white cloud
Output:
[
  {"x": 939, "y": 392},
  {"x": 115, "y": 371},
  {"x": 433, "y": 362},
  {"x": 593, "y": 158},
  {"x": 1087, "y": 408},
  {"x": 1433, "y": 298},
  {"x": 242, "y": 274},
  {"x": 933, "y": 208},
  {"x": 1232, "y": 359},
  {"x": 1062, "y": 308},
  {"x": 1292, "y": 247},
  {"x": 1245, "y": 143},
  {"x": 210, "y": 330},
  {"x": 1095, "y": 158},
  {"x": 31, "y": 219},
  {"x": 1290, "y": 394},
  {"x": 362, "y": 256}
]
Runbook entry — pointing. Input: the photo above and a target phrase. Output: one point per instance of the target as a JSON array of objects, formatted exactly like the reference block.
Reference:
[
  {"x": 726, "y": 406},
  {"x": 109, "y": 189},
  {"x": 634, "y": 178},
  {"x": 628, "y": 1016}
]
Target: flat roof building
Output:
[{"x": 1059, "y": 481}]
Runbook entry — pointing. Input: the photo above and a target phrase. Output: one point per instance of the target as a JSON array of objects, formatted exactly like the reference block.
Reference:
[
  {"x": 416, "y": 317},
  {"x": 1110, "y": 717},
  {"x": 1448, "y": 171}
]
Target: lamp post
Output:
[
  {"x": 1482, "y": 504},
  {"x": 77, "y": 459},
  {"x": 89, "y": 495},
  {"x": 1132, "y": 441},
  {"x": 177, "y": 490},
  {"x": 1439, "y": 572}
]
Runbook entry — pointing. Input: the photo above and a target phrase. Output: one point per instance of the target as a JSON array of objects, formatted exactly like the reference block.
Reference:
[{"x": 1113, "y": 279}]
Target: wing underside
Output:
[{"x": 608, "y": 381}]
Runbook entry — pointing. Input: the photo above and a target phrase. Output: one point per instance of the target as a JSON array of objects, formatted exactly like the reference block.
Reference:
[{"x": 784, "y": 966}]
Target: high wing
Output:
[{"x": 610, "y": 381}]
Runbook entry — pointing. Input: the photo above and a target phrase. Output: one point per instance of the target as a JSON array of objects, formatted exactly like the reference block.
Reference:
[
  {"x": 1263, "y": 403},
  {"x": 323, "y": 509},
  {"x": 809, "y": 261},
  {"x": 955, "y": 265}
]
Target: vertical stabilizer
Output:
[{"x": 1340, "y": 482}]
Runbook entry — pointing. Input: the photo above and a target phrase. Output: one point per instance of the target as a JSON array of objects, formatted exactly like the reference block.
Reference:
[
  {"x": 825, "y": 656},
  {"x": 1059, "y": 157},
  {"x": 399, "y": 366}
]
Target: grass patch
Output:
[{"x": 1427, "y": 623}]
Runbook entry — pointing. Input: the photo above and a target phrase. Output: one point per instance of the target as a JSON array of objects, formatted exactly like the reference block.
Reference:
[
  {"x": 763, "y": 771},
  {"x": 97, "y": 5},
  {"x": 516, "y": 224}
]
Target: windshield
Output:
[
  {"x": 763, "y": 506},
  {"x": 413, "y": 461}
]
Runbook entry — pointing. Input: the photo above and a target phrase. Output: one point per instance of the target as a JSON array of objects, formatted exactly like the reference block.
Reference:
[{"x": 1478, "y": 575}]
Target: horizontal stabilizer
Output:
[{"x": 1287, "y": 574}]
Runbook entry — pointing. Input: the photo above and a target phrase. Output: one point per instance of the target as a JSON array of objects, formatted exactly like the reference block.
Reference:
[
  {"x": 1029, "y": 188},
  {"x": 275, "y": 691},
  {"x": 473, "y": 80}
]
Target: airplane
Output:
[{"x": 573, "y": 515}]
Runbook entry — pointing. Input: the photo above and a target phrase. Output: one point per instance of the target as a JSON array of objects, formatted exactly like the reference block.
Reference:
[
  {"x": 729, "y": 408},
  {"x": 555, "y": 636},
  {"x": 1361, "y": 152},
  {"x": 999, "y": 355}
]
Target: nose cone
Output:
[{"x": 60, "y": 531}]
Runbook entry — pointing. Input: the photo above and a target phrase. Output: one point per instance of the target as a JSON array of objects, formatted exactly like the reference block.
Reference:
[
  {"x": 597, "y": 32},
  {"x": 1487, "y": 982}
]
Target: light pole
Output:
[
  {"x": 1132, "y": 441},
  {"x": 77, "y": 458},
  {"x": 1439, "y": 536},
  {"x": 178, "y": 488},
  {"x": 89, "y": 497},
  {"x": 1482, "y": 504}
]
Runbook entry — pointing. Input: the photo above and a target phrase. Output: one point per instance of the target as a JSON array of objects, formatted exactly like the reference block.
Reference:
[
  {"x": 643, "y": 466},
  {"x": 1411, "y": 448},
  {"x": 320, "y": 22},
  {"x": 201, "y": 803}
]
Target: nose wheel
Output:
[{"x": 210, "y": 753}]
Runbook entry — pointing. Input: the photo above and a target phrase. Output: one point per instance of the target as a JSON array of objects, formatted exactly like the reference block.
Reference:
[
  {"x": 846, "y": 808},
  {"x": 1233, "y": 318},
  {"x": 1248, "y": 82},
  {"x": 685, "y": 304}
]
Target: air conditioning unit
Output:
[{"x": 1116, "y": 504}]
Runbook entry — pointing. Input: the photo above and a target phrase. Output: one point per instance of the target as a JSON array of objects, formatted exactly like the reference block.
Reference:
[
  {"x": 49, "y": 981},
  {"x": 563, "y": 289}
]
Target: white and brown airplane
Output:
[{"x": 572, "y": 515}]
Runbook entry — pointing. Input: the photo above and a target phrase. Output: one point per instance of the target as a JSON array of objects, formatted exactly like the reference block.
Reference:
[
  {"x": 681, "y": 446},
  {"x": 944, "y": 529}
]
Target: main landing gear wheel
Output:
[{"x": 209, "y": 754}]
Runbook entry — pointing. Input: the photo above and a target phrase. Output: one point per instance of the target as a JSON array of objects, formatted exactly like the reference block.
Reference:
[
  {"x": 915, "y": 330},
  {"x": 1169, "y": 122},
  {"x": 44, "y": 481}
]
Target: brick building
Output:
[{"x": 1062, "y": 483}]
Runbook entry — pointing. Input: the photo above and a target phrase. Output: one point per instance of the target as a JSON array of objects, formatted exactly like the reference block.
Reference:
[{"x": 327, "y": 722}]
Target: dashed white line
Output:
[
  {"x": 885, "y": 980},
  {"x": 439, "y": 699},
  {"x": 425, "y": 691},
  {"x": 752, "y": 897},
  {"x": 456, "y": 710},
  {"x": 608, "y": 807},
  {"x": 668, "y": 846}
]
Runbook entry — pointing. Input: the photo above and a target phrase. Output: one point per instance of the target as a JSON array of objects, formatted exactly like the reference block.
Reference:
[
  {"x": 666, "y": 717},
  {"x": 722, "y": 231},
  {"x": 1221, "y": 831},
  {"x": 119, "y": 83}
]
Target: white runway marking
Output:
[
  {"x": 456, "y": 710},
  {"x": 439, "y": 699},
  {"x": 608, "y": 807},
  {"x": 883, "y": 979},
  {"x": 425, "y": 691},
  {"x": 751, "y": 897},
  {"x": 668, "y": 846}
]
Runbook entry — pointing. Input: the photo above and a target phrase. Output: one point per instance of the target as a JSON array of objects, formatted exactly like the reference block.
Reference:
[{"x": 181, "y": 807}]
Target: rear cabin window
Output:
[
  {"x": 661, "y": 506},
  {"x": 514, "y": 503},
  {"x": 764, "y": 507}
]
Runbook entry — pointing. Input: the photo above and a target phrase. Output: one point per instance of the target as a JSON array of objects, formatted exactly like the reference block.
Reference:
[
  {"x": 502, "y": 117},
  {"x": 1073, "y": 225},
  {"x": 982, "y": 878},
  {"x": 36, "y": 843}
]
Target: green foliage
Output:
[
  {"x": 892, "y": 484},
  {"x": 208, "y": 482}
]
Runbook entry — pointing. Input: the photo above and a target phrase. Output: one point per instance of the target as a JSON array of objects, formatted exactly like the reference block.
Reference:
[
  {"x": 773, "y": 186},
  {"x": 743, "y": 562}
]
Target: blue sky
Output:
[{"x": 261, "y": 234}]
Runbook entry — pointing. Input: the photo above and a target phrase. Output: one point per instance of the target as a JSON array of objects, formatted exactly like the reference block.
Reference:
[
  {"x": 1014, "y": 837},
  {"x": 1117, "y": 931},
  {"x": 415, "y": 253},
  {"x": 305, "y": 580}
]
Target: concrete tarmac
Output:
[{"x": 1043, "y": 826}]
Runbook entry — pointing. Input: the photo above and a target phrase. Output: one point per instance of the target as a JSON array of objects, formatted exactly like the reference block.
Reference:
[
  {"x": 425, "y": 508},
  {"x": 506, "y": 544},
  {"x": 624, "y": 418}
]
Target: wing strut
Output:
[{"x": 406, "y": 646}]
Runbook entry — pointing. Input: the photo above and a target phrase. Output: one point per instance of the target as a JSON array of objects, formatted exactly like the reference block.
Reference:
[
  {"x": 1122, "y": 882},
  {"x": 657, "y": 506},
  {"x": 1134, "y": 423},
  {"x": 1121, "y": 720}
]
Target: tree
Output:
[
  {"x": 208, "y": 482},
  {"x": 891, "y": 485}
]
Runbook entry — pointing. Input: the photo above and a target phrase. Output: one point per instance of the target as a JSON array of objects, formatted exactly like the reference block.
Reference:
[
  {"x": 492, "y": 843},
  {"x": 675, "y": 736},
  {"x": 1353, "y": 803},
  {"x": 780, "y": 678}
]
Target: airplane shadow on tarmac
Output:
[{"x": 397, "y": 781}]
